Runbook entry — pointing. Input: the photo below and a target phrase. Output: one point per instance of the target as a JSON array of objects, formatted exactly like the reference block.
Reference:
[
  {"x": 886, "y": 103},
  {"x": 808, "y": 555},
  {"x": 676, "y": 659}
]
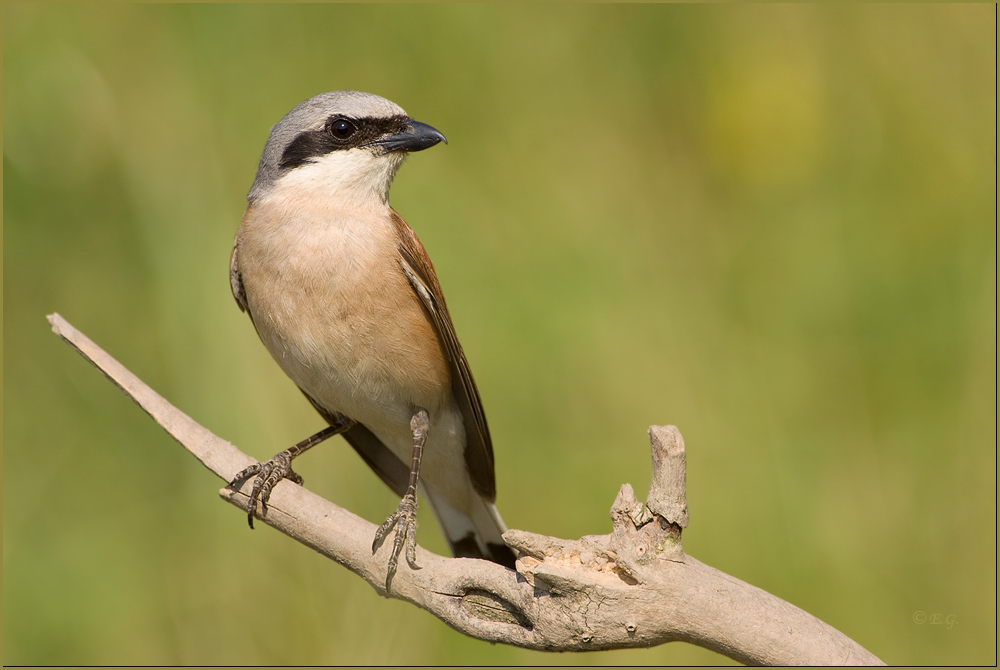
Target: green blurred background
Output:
[{"x": 774, "y": 227}]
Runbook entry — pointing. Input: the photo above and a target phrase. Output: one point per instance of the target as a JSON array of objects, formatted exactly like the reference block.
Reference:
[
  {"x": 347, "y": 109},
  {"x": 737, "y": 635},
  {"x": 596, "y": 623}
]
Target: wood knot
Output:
[{"x": 491, "y": 607}]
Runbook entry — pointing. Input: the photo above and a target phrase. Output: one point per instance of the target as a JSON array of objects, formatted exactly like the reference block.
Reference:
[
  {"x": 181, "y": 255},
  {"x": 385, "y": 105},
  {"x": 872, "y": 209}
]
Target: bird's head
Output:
[{"x": 343, "y": 144}]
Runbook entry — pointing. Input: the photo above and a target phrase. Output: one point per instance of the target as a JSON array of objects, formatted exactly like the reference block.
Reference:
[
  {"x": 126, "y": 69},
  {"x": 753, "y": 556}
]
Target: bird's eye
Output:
[{"x": 341, "y": 129}]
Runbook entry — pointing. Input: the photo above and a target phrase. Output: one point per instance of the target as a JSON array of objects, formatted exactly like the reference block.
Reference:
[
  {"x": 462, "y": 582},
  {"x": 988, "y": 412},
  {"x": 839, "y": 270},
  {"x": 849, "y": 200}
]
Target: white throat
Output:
[{"x": 354, "y": 177}]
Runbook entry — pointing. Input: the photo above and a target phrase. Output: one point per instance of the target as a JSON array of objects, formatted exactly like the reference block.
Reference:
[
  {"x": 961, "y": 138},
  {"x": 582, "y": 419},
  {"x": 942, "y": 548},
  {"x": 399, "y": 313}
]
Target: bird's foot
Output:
[
  {"x": 404, "y": 520},
  {"x": 268, "y": 476}
]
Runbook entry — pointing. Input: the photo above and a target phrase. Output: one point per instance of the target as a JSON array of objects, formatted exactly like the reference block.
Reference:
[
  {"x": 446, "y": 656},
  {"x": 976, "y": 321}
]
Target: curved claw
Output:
[
  {"x": 404, "y": 520},
  {"x": 268, "y": 476}
]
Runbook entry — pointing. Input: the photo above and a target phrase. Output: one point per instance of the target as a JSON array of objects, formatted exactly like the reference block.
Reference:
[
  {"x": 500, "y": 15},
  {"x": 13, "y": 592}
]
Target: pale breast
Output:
[{"x": 332, "y": 305}]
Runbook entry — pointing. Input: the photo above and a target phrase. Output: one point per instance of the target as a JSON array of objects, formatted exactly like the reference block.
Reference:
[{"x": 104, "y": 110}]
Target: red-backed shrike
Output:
[{"x": 344, "y": 296}]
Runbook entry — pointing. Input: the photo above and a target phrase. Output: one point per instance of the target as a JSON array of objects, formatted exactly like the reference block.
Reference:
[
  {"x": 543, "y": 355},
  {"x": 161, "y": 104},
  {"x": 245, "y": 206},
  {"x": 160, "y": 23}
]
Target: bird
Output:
[{"x": 345, "y": 298}]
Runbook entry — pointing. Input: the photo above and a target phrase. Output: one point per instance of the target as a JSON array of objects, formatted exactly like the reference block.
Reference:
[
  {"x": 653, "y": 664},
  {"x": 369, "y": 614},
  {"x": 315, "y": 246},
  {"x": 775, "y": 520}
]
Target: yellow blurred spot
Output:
[{"x": 767, "y": 125}]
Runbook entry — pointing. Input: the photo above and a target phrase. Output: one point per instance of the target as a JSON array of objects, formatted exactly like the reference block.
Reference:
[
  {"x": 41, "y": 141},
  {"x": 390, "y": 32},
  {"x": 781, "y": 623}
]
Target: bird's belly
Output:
[
  {"x": 337, "y": 314},
  {"x": 377, "y": 370}
]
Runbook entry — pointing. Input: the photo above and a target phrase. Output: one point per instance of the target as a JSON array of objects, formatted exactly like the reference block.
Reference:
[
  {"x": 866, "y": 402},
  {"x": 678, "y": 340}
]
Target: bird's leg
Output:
[
  {"x": 404, "y": 519},
  {"x": 280, "y": 467}
]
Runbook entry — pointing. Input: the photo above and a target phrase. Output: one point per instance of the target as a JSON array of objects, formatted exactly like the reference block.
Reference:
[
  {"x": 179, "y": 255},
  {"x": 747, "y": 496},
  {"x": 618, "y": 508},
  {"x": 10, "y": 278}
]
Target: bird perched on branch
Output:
[{"x": 345, "y": 298}]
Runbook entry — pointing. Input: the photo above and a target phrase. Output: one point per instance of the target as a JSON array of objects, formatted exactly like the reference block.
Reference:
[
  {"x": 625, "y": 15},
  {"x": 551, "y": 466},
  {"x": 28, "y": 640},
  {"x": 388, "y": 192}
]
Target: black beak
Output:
[{"x": 417, "y": 137}]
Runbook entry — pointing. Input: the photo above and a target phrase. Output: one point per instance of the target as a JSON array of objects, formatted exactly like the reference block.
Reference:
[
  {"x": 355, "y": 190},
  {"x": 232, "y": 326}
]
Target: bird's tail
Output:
[{"x": 476, "y": 533}]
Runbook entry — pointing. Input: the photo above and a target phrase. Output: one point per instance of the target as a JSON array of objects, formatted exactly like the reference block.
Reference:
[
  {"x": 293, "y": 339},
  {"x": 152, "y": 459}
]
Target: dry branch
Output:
[{"x": 633, "y": 588}]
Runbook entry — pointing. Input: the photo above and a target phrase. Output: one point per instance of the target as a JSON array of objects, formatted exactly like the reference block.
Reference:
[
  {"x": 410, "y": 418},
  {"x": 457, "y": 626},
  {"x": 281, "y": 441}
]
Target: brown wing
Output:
[
  {"x": 236, "y": 280},
  {"x": 478, "y": 447}
]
